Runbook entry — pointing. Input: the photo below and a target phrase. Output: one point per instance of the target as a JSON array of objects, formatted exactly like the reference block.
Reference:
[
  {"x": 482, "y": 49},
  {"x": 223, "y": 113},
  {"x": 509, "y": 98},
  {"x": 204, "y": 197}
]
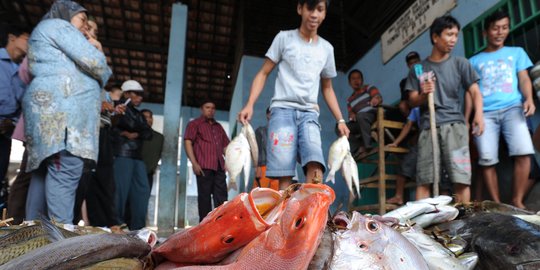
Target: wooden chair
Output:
[{"x": 378, "y": 180}]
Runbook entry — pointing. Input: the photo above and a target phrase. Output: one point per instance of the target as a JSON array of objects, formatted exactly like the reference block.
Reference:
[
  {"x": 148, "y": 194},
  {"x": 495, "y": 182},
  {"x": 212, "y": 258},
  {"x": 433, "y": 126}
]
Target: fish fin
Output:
[
  {"x": 54, "y": 234},
  {"x": 232, "y": 185},
  {"x": 331, "y": 177}
]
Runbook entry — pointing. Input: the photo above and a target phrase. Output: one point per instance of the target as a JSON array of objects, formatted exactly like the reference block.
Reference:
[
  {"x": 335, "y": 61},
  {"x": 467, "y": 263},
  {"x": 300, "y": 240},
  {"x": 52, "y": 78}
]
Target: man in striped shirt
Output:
[
  {"x": 362, "y": 111},
  {"x": 205, "y": 141}
]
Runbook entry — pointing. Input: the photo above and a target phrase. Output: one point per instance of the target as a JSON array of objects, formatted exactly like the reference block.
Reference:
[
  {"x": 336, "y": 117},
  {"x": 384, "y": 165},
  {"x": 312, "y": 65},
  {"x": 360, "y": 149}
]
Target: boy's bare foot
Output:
[
  {"x": 519, "y": 205},
  {"x": 395, "y": 200}
]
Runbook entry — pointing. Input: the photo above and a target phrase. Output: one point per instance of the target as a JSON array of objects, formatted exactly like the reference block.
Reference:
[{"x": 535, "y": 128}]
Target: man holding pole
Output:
[{"x": 443, "y": 76}]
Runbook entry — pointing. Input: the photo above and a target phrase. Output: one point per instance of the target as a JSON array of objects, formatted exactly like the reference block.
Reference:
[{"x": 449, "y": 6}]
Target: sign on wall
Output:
[{"x": 413, "y": 22}]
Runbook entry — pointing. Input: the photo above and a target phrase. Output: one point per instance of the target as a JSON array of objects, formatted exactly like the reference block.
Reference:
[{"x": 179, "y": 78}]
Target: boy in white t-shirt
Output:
[{"x": 305, "y": 62}]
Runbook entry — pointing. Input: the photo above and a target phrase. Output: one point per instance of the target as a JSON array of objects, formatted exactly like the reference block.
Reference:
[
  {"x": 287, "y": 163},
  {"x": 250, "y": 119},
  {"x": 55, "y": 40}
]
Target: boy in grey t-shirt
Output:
[
  {"x": 305, "y": 62},
  {"x": 451, "y": 74}
]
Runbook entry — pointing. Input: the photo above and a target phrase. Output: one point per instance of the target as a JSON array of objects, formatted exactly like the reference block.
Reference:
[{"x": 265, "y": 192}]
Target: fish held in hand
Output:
[
  {"x": 237, "y": 158},
  {"x": 248, "y": 131},
  {"x": 336, "y": 155},
  {"x": 349, "y": 169}
]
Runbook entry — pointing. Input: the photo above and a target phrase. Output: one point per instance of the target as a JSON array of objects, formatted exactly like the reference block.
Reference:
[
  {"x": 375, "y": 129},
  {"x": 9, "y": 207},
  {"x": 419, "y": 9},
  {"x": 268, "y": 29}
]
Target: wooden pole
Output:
[{"x": 435, "y": 145}]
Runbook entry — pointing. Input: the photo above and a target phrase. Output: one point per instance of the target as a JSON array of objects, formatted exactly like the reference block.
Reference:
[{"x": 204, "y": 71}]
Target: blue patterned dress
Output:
[{"x": 62, "y": 103}]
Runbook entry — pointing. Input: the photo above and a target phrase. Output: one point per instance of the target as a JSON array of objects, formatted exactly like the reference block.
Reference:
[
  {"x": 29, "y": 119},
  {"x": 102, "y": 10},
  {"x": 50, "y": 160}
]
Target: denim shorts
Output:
[
  {"x": 293, "y": 135},
  {"x": 511, "y": 123}
]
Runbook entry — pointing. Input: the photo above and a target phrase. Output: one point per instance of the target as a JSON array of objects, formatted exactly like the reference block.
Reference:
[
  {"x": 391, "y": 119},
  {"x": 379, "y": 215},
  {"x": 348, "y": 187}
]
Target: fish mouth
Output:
[
  {"x": 266, "y": 205},
  {"x": 309, "y": 189}
]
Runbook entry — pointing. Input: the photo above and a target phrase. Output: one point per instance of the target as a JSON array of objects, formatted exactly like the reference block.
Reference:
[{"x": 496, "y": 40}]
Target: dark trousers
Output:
[
  {"x": 213, "y": 184},
  {"x": 18, "y": 192},
  {"x": 361, "y": 129},
  {"x": 100, "y": 194},
  {"x": 5, "y": 151}
]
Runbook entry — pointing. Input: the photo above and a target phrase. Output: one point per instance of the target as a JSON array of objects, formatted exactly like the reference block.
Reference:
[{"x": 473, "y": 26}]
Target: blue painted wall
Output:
[{"x": 387, "y": 76}]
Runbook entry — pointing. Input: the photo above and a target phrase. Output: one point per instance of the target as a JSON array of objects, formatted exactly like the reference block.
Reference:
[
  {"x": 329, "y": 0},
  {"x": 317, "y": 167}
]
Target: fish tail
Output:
[
  {"x": 53, "y": 232},
  {"x": 331, "y": 177}
]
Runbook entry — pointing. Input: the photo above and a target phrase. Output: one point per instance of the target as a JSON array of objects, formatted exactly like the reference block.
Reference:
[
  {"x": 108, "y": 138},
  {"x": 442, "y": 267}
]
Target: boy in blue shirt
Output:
[
  {"x": 305, "y": 61},
  {"x": 507, "y": 94}
]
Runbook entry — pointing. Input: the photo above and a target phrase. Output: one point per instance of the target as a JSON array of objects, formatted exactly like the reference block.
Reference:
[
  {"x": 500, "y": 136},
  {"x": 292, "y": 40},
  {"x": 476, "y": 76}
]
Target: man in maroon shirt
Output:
[{"x": 205, "y": 142}]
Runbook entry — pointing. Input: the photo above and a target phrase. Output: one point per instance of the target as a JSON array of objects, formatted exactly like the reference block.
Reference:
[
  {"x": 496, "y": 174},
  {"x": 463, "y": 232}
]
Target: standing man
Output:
[
  {"x": 205, "y": 141},
  {"x": 445, "y": 75},
  {"x": 411, "y": 59},
  {"x": 152, "y": 148},
  {"x": 507, "y": 94},
  {"x": 129, "y": 170},
  {"x": 12, "y": 88},
  {"x": 361, "y": 106}
]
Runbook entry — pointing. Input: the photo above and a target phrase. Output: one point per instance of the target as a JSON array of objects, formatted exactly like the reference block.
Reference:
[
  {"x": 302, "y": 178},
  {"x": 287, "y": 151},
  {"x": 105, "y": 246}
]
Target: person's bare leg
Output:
[
  {"x": 490, "y": 179},
  {"x": 423, "y": 191},
  {"x": 400, "y": 186},
  {"x": 522, "y": 168},
  {"x": 314, "y": 173},
  {"x": 84, "y": 214},
  {"x": 285, "y": 182},
  {"x": 478, "y": 187},
  {"x": 463, "y": 193}
]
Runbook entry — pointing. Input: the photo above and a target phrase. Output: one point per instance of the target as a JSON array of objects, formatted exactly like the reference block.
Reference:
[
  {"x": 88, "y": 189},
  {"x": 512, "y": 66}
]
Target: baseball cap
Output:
[
  {"x": 131, "y": 85},
  {"x": 412, "y": 55}
]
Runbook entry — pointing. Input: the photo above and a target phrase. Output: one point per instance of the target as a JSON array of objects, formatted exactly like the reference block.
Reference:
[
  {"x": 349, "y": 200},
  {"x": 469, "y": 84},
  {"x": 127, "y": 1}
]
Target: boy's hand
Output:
[
  {"x": 392, "y": 144},
  {"x": 478, "y": 125},
  {"x": 343, "y": 129},
  {"x": 528, "y": 107},
  {"x": 244, "y": 116},
  {"x": 427, "y": 86}
]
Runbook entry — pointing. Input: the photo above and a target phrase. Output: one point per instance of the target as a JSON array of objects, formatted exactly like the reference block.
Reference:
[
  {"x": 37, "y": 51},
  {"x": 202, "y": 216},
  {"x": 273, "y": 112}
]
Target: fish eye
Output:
[
  {"x": 228, "y": 239},
  {"x": 299, "y": 223},
  {"x": 362, "y": 246},
  {"x": 372, "y": 226}
]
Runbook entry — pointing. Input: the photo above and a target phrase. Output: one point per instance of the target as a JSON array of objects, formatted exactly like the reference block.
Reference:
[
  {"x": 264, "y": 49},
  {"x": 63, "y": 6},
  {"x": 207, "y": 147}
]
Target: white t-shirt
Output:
[{"x": 301, "y": 65}]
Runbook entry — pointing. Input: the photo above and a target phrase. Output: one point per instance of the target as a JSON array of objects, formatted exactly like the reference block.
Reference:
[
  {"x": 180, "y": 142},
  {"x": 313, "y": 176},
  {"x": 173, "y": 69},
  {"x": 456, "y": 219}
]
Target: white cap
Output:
[{"x": 131, "y": 85}]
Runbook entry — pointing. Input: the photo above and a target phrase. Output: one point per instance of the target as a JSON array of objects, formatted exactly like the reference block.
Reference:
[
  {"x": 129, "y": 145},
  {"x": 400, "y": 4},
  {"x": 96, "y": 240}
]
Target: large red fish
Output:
[
  {"x": 223, "y": 230},
  {"x": 291, "y": 242}
]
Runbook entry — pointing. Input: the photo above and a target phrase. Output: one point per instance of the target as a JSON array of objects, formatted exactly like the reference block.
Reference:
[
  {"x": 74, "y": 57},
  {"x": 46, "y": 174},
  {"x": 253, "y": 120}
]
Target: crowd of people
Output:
[
  {"x": 83, "y": 144},
  {"x": 91, "y": 154},
  {"x": 498, "y": 99}
]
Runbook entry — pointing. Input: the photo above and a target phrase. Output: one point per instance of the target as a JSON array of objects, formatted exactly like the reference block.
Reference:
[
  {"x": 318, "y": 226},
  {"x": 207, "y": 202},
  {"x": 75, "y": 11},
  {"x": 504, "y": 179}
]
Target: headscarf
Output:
[{"x": 64, "y": 9}]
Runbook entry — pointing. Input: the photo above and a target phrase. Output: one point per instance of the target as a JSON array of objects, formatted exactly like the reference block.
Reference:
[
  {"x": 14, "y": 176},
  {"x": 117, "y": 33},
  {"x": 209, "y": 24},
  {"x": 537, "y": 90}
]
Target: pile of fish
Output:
[
  {"x": 340, "y": 156},
  {"x": 239, "y": 154},
  {"x": 291, "y": 229},
  {"x": 264, "y": 230},
  {"x": 47, "y": 246}
]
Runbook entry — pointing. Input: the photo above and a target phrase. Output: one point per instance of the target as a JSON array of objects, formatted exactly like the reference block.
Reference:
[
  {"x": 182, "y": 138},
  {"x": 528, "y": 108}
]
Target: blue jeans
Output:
[
  {"x": 512, "y": 124},
  {"x": 52, "y": 188},
  {"x": 131, "y": 185},
  {"x": 292, "y": 135}
]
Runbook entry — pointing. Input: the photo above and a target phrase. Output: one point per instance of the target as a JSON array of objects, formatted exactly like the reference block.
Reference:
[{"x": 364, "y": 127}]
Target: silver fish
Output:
[
  {"x": 252, "y": 141},
  {"x": 336, "y": 155},
  {"x": 438, "y": 215},
  {"x": 437, "y": 257},
  {"x": 368, "y": 243},
  {"x": 349, "y": 169},
  {"x": 237, "y": 158},
  {"x": 416, "y": 208}
]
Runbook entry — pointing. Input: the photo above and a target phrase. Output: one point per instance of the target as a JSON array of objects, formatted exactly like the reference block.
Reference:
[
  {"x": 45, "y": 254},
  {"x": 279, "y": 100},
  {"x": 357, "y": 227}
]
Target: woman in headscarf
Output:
[{"x": 61, "y": 108}]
